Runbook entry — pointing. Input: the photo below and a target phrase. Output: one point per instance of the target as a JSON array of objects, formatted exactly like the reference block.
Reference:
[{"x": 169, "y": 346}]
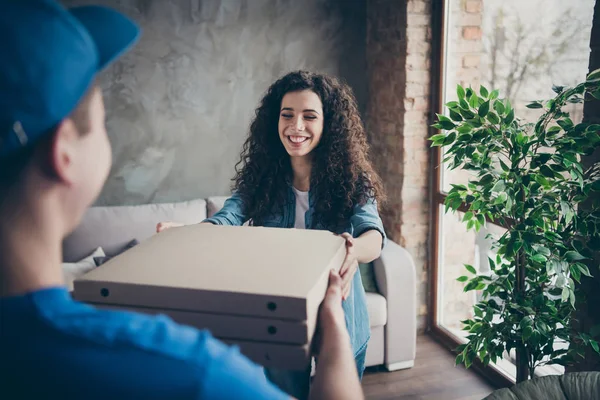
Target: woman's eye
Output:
[
  {"x": 287, "y": 116},
  {"x": 311, "y": 117}
]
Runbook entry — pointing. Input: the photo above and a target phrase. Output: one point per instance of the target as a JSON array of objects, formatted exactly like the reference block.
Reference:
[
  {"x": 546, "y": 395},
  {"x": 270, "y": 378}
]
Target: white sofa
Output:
[{"x": 392, "y": 311}]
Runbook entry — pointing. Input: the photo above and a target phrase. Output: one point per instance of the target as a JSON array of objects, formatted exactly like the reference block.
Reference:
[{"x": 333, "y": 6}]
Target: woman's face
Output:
[{"x": 300, "y": 122}]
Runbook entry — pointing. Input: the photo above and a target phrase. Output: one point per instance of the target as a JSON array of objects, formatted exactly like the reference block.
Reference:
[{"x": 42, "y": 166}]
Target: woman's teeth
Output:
[{"x": 297, "y": 139}]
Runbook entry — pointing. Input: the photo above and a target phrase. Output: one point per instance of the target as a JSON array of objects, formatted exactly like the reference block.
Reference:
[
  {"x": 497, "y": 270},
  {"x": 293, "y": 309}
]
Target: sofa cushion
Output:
[
  {"x": 214, "y": 204},
  {"x": 377, "y": 308},
  {"x": 112, "y": 228},
  {"x": 367, "y": 275}
]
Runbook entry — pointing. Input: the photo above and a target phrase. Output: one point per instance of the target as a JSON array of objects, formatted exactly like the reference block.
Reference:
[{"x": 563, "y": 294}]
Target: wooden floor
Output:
[{"x": 434, "y": 377}]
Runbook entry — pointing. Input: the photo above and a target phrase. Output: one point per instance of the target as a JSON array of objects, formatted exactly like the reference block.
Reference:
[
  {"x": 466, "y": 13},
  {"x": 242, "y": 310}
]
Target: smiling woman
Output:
[{"x": 305, "y": 165}]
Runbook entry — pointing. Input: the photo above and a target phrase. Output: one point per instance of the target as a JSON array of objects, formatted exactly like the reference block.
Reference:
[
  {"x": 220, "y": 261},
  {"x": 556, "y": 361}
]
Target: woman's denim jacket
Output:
[{"x": 365, "y": 218}]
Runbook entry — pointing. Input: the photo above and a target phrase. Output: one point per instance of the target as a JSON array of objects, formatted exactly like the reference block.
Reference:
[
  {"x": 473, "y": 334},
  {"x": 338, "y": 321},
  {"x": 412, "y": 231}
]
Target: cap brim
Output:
[{"x": 112, "y": 32}]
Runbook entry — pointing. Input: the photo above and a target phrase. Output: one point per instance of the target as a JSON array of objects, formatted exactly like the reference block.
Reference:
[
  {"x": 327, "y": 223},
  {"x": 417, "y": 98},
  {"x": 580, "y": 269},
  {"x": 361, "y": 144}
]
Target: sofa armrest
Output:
[{"x": 396, "y": 279}]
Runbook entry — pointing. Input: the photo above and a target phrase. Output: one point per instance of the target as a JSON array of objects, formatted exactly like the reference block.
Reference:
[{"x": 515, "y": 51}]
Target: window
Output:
[{"x": 522, "y": 48}]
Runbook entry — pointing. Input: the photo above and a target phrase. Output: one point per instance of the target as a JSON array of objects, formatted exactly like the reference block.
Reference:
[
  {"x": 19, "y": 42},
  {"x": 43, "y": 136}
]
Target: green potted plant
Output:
[{"x": 530, "y": 177}]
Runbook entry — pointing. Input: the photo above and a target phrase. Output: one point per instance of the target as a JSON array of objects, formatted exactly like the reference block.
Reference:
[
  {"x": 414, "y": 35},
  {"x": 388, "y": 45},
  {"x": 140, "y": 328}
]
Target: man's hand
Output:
[
  {"x": 332, "y": 323},
  {"x": 336, "y": 376},
  {"x": 349, "y": 266},
  {"x": 161, "y": 226}
]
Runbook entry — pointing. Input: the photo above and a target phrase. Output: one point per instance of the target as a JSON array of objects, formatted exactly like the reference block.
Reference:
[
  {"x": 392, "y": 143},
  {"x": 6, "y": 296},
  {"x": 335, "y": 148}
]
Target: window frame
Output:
[{"x": 439, "y": 26}]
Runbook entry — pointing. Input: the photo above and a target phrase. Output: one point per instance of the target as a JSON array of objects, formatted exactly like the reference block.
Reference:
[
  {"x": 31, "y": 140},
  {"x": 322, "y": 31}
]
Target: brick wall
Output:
[{"x": 398, "y": 69}]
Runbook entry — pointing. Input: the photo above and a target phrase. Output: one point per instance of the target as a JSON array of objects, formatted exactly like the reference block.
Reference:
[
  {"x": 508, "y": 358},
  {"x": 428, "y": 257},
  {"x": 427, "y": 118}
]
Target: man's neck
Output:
[
  {"x": 30, "y": 248},
  {"x": 302, "y": 167}
]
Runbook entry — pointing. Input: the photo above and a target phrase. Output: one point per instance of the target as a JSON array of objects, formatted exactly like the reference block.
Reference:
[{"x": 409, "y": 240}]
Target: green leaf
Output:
[
  {"x": 584, "y": 269},
  {"x": 572, "y": 297},
  {"x": 493, "y": 118},
  {"x": 565, "y": 294},
  {"x": 438, "y": 138},
  {"x": 576, "y": 274},
  {"x": 462, "y": 278},
  {"x": 464, "y": 106},
  {"x": 527, "y": 332},
  {"x": 566, "y": 123},
  {"x": 547, "y": 171},
  {"x": 474, "y": 101},
  {"x": 470, "y": 268},
  {"x": 551, "y": 267},
  {"x": 543, "y": 251},
  {"x": 595, "y": 346},
  {"x": 574, "y": 256},
  {"x": 455, "y": 116},
  {"x": 447, "y": 125},
  {"x": 464, "y": 128},
  {"x": 594, "y": 75},
  {"x": 494, "y": 95},
  {"x": 499, "y": 186},
  {"x": 539, "y": 258},
  {"x": 474, "y": 122},
  {"x": 510, "y": 117},
  {"x": 449, "y": 139},
  {"x": 484, "y": 109},
  {"x": 468, "y": 216},
  {"x": 481, "y": 219},
  {"x": 486, "y": 179},
  {"x": 542, "y": 181},
  {"x": 535, "y": 104},
  {"x": 483, "y": 91},
  {"x": 480, "y": 286},
  {"x": 553, "y": 129},
  {"x": 501, "y": 199},
  {"x": 460, "y": 91},
  {"x": 452, "y": 104}
]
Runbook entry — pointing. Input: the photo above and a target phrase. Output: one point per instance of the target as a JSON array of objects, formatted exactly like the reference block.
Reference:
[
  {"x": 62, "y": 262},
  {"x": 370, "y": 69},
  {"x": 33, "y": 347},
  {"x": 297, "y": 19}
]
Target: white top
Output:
[{"x": 301, "y": 208}]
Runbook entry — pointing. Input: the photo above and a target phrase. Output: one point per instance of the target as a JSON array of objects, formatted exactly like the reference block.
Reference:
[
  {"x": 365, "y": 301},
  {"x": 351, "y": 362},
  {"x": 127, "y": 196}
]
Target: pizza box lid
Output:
[{"x": 246, "y": 271}]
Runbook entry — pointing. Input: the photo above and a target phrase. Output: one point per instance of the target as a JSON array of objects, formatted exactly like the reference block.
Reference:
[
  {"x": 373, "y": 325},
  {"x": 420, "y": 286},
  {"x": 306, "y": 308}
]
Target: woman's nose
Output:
[{"x": 299, "y": 124}]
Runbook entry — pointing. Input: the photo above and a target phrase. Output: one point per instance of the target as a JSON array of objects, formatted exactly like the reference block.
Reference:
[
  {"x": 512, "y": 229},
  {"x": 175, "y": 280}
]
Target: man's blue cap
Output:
[{"x": 49, "y": 57}]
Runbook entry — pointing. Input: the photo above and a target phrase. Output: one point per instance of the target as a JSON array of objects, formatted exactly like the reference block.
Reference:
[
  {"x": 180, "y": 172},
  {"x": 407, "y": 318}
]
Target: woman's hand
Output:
[
  {"x": 349, "y": 266},
  {"x": 161, "y": 226}
]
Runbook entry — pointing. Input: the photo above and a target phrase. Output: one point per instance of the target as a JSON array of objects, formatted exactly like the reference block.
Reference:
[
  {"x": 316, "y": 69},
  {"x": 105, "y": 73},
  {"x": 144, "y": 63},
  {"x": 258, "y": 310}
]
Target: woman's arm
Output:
[
  {"x": 366, "y": 244},
  {"x": 367, "y": 247},
  {"x": 231, "y": 214},
  {"x": 364, "y": 249}
]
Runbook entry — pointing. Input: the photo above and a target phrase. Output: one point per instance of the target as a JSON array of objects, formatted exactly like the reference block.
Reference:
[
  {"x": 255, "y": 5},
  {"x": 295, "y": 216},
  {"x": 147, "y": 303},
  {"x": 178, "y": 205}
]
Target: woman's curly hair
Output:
[{"x": 342, "y": 175}]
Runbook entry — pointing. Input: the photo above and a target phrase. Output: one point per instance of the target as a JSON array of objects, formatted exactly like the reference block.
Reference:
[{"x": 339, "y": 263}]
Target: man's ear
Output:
[{"x": 62, "y": 151}]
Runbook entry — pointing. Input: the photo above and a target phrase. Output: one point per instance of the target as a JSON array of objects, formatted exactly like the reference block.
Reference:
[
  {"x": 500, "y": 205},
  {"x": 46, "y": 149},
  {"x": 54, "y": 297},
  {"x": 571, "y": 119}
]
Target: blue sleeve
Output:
[
  {"x": 232, "y": 213},
  {"x": 366, "y": 218},
  {"x": 229, "y": 375}
]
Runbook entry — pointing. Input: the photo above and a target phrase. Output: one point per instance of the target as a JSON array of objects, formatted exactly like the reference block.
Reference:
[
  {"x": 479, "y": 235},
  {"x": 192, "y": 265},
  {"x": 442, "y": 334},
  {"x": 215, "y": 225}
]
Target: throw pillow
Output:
[
  {"x": 368, "y": 278},
  {"x": 104, "y": 258},
  {"x": 72, "y": 271}
]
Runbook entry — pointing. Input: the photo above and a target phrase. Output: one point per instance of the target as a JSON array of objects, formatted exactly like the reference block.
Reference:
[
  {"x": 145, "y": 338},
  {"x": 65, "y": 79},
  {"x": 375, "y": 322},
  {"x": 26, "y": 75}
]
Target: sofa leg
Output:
[{"x": 400, "y": 365}]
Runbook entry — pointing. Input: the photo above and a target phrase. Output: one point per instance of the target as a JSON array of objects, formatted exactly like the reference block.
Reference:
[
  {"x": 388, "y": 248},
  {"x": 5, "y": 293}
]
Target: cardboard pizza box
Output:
[
  {"x": 275, "y": 355},
  {"x": 244, "y": 271},
  {"x": 232, "y": 327}
]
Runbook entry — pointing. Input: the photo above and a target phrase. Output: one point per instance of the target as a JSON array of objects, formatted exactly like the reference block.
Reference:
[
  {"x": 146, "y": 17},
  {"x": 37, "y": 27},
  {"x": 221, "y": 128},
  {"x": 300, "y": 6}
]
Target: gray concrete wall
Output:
[{"x": 179, "y": 105}]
